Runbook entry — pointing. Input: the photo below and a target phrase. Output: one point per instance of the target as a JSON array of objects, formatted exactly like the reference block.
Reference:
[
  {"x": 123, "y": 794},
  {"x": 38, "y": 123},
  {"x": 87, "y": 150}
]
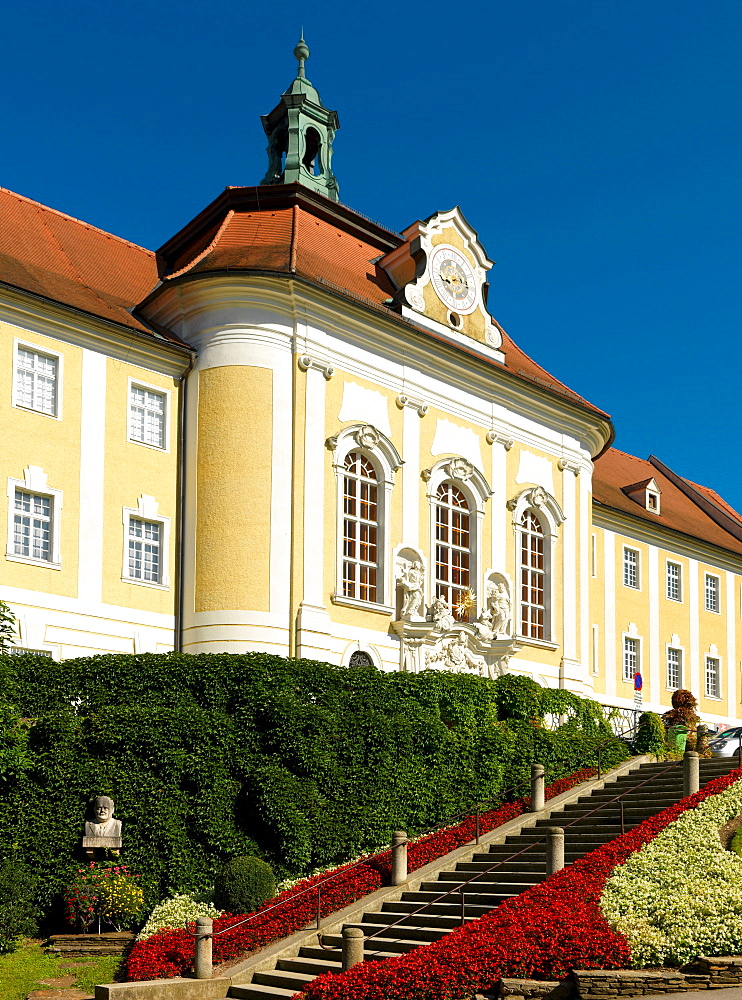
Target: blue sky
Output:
[{"x": 594, "y": 145}]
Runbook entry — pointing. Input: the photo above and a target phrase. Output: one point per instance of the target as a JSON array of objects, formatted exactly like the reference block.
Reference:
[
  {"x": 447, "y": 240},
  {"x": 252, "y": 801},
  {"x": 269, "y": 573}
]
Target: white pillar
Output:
[
  {"x": 411, "y": 482},
  {"x": 655, "y": 657},
  {"x": 92, "y": 470},
  {"x": 609, "y": 591}
]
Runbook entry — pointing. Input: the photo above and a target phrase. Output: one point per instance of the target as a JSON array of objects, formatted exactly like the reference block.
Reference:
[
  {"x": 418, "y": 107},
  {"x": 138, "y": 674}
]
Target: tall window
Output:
[
  {"x": 452, "y": 544},
  {"x": 32, "y": 526},
  {"x": 631, "y": 568},
  {"x": 713, "y": 678},
  {"x": 360, "y": 529},
  {"x": 145, "y": 550},
  {"x": 532, "y": 577},
  {"x": 630, "y": 658},
  {"x": 36, "y": 381},
  {"x": 147, "y": 416},
  {"x": 674, "y": 668},
  {"x": 712, "y": 593},
  {"x": 674, "y": 590}
]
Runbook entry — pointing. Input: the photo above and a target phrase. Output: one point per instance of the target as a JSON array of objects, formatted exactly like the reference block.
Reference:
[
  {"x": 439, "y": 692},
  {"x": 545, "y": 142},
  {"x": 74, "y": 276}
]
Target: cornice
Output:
[
  {"x": 584, "y": 422},
  {"x": 690, "y": 546},
  {"x": 57, "y": 321}
]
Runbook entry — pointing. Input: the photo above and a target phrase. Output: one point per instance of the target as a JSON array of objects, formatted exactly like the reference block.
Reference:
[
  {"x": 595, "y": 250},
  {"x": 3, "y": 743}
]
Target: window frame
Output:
[
  {"x": 671, "y": 648},
  {"x": 372, "y": 444},
  {"x": 137, "y": 383},
  {"x": 147, "y": 510},
  {"x": 27, "y": 345},
  {"x": 715, "y": 658},
  {"x": 451, "y": 547},
  {"x": 637, "y": 567},
  {"x": 717, "y": 592},
  {"x": 35, "y": 483},
  {"x": 549, "y": 513},
  {"x": 628, "y": 637},
  {"x": 467, "y": 478},
  {"x": 359, "y": 477},
  {"x": 679, "y": 566}
]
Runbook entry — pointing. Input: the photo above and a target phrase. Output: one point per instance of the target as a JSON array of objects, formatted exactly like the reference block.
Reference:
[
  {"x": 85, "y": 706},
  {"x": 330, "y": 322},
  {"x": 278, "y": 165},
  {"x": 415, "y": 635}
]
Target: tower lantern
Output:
[{"x": 300, "y": 132}]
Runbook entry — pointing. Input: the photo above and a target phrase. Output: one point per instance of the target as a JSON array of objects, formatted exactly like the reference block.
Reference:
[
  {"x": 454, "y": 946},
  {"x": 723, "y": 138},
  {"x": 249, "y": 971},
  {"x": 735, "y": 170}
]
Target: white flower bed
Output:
[
  {"x": 174, "y": 913},
  {"x": 681, "y": 895}
]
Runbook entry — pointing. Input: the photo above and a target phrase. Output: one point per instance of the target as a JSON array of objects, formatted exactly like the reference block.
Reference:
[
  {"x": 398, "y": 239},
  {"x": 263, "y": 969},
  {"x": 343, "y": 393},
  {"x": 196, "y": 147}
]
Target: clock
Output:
[{"x": 453, "y": 279}]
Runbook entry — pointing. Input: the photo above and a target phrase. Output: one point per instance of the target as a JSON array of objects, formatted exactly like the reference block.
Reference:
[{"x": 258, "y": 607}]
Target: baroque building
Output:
[{"x": 291, "y": 429}]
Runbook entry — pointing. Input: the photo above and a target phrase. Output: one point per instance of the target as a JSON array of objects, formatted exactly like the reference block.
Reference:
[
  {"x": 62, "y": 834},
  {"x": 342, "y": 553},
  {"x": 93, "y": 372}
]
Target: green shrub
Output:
[
  {"x": 736, "y": 843},
  {"x": 18, "y": 909},
  {"x": 216, "y": 756},
  {"x": 651, "y": 736},
  {"x": 243, "y": 885}
]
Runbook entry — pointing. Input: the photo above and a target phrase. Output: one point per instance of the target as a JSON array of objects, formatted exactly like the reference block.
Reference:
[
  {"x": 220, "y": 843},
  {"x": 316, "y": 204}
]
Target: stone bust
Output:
[{"x": 103, "y": 824}]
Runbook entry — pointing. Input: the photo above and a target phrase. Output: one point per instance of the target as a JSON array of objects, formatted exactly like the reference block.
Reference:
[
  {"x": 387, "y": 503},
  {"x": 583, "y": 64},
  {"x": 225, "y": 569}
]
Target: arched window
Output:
[
  {"x": 360, "y": 528},
  {"x": 536, "y": 520},
  {"x": 452, "y": 544},
  {"x": 532, "y": 577}
]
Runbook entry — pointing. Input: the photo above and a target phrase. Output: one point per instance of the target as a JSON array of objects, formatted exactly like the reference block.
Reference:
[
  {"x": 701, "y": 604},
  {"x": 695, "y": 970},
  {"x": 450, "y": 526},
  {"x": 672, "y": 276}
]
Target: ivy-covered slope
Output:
[{"x": 216, "y": 755}]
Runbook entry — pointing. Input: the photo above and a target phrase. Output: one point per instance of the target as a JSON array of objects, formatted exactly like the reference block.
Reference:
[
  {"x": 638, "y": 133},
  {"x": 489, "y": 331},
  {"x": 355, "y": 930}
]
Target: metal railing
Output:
[{"x": 460, "y": 887}]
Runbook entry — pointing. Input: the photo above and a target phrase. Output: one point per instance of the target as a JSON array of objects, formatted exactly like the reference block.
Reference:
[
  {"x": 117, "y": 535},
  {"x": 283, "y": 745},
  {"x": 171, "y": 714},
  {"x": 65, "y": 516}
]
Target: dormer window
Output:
[{"x": 645, "y": 493}]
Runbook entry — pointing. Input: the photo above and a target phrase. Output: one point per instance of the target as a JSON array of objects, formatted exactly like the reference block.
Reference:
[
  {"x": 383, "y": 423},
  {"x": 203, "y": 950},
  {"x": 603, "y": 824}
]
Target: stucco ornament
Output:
[
  {"x": 367, "y": 436},
  {"x": 410, "y": 577},
  {"x": 441, "y": 614},
  {"x": 460, "y": 468},
  {"x": 498, "y": 611},
  {"x": 454, "y": 654}
]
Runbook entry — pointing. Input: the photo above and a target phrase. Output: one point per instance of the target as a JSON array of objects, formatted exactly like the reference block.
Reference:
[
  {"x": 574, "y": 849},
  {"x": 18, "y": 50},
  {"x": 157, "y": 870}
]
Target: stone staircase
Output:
[{"x": 397, "y": 927}]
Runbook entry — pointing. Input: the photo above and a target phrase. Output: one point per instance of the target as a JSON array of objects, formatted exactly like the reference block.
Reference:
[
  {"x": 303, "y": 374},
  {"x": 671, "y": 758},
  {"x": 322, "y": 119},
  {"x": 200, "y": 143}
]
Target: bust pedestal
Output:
[{"x": 92, "y": 845}]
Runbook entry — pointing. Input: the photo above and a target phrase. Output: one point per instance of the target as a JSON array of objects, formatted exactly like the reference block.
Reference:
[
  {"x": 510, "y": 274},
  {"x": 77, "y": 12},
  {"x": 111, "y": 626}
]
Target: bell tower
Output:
[{"x": 300, "y": 131}]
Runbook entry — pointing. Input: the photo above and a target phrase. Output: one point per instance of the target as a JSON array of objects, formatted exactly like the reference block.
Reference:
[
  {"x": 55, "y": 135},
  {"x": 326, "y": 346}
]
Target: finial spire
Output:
[{"x": 301, "y": 52}]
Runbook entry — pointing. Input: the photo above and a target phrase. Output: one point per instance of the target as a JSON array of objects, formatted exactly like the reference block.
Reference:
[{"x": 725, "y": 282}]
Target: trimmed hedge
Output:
[{"x": 299, "y": 762}]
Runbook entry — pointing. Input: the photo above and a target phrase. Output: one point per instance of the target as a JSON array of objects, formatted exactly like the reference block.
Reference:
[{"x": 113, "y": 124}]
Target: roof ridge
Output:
[
  {"x": 72, "y": 218},
  {"x": 629, "y": 455},
  {"x": 732, "y": 525}
]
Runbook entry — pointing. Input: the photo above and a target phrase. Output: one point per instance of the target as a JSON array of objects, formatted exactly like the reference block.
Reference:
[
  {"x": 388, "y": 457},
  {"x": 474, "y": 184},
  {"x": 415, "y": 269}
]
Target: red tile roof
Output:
[
  {"x": 289, "y": 229},
  {"x": 687, "y": 508},
  {"x": 53, "y": 255}
]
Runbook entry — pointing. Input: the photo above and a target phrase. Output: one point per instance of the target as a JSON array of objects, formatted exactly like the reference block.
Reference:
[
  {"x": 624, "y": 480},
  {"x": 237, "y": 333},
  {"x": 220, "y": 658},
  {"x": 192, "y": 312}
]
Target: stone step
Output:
[
  {"x": 442, "y": 908},
  {"x": 314, "y": 966},
  {"x": 255, "y": 991},
  {"x": 284, "y": 980},
  {"x": 424, "y": 920}
]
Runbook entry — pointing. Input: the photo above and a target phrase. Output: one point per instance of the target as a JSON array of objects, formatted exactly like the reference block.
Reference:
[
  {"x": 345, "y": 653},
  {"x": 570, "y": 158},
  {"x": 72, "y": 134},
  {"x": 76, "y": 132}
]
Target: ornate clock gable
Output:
[{"x": 439, "y": 274}]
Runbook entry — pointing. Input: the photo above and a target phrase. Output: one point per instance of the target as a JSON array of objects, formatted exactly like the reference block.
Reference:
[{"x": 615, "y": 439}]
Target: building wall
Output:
[{"x": 79, "y": 603}]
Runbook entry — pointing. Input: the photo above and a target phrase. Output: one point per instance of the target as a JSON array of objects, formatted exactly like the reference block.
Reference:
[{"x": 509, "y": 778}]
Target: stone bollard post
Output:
[
  {"x": 353, "y": 941},
  {"x": 537, "y": 788},
  {"x": 554, "y": 849},
  {"x": 691, "y": 773},
  {"x": 399, "y": 857},
  {"x": 202, "y": 962}
]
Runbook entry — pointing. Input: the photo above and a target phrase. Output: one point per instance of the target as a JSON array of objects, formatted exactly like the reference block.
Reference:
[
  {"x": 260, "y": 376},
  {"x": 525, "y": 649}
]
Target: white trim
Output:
[
  {"x": 609, "y": 592},
  {"x": 351, "y": 602},
  {"x": 653, "y": 659},
  {"x": 148, "y": 387},
  {"x": 35, "y": 481},
  {"x": 731, "y": 646},
  {"x": 595, "y": 645},
  {"x": 693, "y": 673},
  {"x": 385, "y": 458},
  {"x": 92, "y": 476},
  {"x": 29, "y": 345},
  {"x": 313, "y": 595},
  {"x": 147, "y": 510}
]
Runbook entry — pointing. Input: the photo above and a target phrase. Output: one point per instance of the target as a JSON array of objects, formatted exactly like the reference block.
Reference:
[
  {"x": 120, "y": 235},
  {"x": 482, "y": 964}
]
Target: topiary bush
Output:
[
  {"x": 244, "y": 884},
  {"x": 736, "y": 843},
  {"x": 651, "y": 736}
]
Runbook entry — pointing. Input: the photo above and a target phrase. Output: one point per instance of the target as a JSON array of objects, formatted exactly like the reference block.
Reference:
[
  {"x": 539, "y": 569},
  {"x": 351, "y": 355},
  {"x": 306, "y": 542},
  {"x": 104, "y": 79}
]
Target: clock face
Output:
[{"x": 453, "y": 279}]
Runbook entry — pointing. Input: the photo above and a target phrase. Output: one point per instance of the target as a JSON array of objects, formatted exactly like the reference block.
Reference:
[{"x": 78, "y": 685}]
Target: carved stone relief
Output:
[{"x": 410, "y": 584}]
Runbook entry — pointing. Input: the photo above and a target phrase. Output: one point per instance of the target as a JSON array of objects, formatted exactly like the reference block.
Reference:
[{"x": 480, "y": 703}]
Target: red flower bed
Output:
[
  {"x": 543, "y": 933},
  {"x": 170, "y": 953}
]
